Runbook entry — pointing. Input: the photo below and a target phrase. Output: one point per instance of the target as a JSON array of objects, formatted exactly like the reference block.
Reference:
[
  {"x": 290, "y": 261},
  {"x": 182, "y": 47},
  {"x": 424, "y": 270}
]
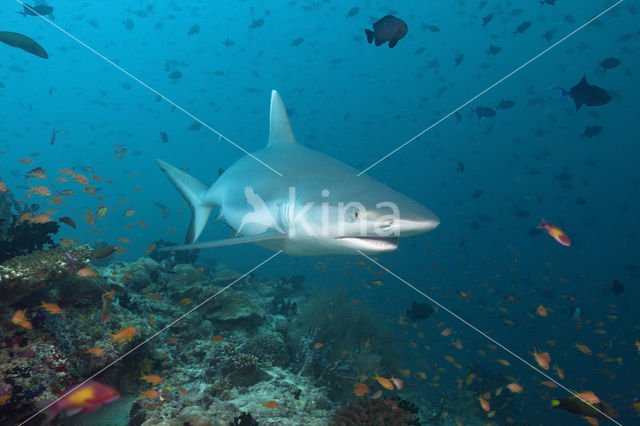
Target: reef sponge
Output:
[
  {"x": 21, "y": 275},
  {"x": 373, "y": 412}
]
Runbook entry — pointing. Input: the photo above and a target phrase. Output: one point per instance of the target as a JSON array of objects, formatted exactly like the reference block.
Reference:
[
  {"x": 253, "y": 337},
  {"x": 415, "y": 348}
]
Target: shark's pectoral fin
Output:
[
  {"x": 228, "y": 242},
  {"x": 280, "y": 132},
  {"x": 193, "y": 191}
]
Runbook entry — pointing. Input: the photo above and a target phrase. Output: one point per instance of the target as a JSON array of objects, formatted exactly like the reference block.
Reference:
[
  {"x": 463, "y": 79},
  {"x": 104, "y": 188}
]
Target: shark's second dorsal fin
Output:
[{"x": 280, "y": 132}]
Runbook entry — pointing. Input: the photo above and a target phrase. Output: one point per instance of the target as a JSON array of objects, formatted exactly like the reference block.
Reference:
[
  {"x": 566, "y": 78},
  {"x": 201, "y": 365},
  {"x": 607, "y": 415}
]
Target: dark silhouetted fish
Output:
[
  {"x": 352, "y": 12},
  {"x": 506, "y": 104},
  {"x": 483, "y": 111},
  {"x": 195, "y": 29},
  {"x": 548, "y": 35},
  {"x": 419, "y": 311},
  {"x": 586, "y": 94},
  {"x": 522, "y": 27},
  {"x": 610, "y": 63},
  {"x": 41, "y": 9},
  {"x": 23, "y": 42},
  {"x": 549, "y": 2},
  {"x": 164, "y": 137},
  {"x": 458, "y": 59},
  {"x": 494, "y": 50},
  {"x": 257, "y": 23},
  {"x": 175, "y": 75},
  {"x": 487, "y": 19},
  {"x": 389, "y": 28},
  {"x": 617, "y": 287},
  {"x": 591, "y": 131}
]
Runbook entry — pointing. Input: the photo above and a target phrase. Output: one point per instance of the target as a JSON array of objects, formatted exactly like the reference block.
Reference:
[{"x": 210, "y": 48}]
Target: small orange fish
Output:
[
  {"x": 52, "y": 308},
  {"x": 124, "y": 240},
  {"x": 129, "y": 212},
  {"x": 217, "y": 338},
  {"x": 26, "y": 160},
  {"x": 151, "y": 393},
  {"x": 504, "y": 362},
  {"x": 484, "y": 404},
  {"x": 41, "y": 190},
  {"x": 81, "y": 179},
  {"x": 589, "y": 396},
  {"x": 86, "y": 272},
  {"x": 126, "y": 333},
  {"x": 541, "y": 310},
  {"x": 3, "y": 187},
  {"x": 151, "y": 320},
  {"x": 141, "y": 223},
  {"x": 637, "y": 344},
  {"x": 270, "y": 404},
  {"x": 41, "y": 218},
  {"x": 514, "y": 387},
  {"x": 385, "y": 383},
  {"x": 20, "y": 318},
  {"x": 582, "y": 348},
  {"x": 151, "y": 248},
  {"x": 559, "y": 372},
  {"x": 470, "y": 378},
  {"x": 153, "y": 379},
  {"x": 446, "y": 332},
  {"x": 183, "y": 391},
  {"x": 155, "y": 297},
  {"x": 318, "y": 345},
  {"x": 549, "y": 384},
  {"x": 186, "y": 301},
  {"x": 359, "y": 389},
  {"x": 555, "y": 233},
  {"x": 398, "y": 383},
  {"x": 542, "y": 358},
  {"x": 95, "y": 351}
]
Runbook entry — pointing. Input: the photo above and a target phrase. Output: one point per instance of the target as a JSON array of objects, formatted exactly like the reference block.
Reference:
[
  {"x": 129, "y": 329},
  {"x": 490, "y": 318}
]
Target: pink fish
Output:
[{"x": 556, "y": 233}]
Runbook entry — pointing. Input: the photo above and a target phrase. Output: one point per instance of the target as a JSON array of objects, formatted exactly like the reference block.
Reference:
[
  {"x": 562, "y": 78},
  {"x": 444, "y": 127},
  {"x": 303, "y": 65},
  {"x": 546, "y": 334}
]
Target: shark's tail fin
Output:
[{"x": 193, "y": 192}]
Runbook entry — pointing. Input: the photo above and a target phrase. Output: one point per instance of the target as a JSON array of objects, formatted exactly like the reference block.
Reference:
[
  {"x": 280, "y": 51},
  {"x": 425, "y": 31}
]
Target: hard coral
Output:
[
  {"x": 267, "y": 347},
  {"x": 21, "y": 275},
  {"x": 373, "y": 412}
]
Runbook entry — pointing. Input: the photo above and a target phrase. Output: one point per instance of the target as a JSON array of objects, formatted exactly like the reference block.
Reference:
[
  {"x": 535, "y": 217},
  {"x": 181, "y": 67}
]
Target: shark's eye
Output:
[{"x": 357, "y": 215}]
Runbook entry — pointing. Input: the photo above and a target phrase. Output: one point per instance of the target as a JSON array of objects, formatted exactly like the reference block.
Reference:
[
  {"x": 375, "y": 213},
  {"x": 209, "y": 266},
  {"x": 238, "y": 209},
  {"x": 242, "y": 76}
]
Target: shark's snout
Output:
[{"x": 417, "y": 222}]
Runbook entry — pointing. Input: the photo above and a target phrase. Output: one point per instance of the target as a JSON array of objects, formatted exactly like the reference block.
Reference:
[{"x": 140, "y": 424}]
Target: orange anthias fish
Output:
[
  {"x": 385, "y": 383},
  {"x": 484, "y": 404},
  {"x": 86, "y": 272},
  {"x": 542, "y": 358},
  {"x": 20, "y": 319},
  {"x": 84, "y": 399},
  {"x": 270, "y": 404},
  {"x": 583, "y": 348},
  {"x": 542, "y": 311},
  {"x": 153, "y": 379},
  {"x": 398, "y": 383},
  {"x": 52, "y": 308},
  {"x": 360, "y": 389},
  {"x": 126, "y": 333},
  {"x": 514, "y": 387},
  {"x": 95, "y": 351},
  {"x": 151, "y": 393},
  {"x": 556, "y": 233}
]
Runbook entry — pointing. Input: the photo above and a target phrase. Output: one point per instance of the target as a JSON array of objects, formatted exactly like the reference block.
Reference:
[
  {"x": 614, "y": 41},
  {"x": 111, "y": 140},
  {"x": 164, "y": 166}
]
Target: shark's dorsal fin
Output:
[{"x": 280, "y": 132}]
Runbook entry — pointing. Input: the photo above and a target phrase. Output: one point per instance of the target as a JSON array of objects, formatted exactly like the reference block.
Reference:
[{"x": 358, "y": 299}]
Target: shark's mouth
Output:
[{"x": 370, "y": 244}]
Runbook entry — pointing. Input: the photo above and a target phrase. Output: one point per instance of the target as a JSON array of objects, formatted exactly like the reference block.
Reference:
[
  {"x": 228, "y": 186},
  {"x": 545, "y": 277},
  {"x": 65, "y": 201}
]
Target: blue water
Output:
[{"x": 356, "y": 102}]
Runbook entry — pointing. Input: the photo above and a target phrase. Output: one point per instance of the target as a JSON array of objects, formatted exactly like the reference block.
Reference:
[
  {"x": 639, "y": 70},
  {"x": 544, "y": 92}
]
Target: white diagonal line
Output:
[
  {"x": 491, "y": 87},
  {"x": 151, "y": 89},
  {"x": 482, "y": 333},
  {"x": 180, "y": 318}
]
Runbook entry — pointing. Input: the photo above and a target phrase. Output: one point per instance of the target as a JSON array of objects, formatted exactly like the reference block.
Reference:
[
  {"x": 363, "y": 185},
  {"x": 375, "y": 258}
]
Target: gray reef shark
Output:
[{"x": 315, "y": 204}]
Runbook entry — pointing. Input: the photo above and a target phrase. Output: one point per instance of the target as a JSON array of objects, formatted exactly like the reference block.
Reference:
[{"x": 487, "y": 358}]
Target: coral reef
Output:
[
  {"x": 22, "y": 275},
  {"x": 373, "y": 412},
  {"x": 172, "y": 257},
  {"x": 17, "y": 236}
]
